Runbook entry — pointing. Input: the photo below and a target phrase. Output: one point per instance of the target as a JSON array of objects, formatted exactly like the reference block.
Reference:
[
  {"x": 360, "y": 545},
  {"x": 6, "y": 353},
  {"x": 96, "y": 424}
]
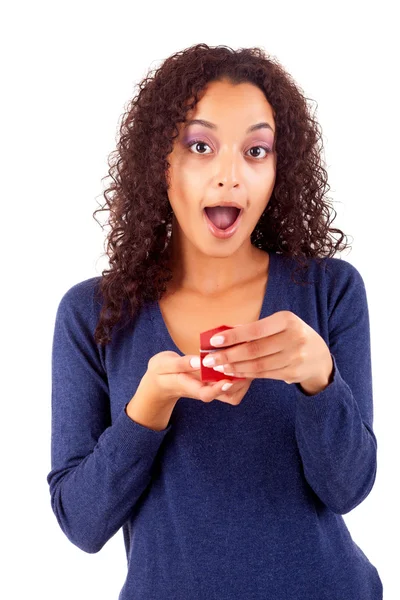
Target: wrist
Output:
[
  {"x": 154, "y": 392},
  {"x": 316, "y": 385},
  {"x": 148, "y": 408}
]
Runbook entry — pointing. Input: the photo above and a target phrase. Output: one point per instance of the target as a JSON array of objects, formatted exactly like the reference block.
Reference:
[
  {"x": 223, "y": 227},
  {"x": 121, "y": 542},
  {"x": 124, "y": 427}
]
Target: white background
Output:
[{"x": 68, "y": 70}]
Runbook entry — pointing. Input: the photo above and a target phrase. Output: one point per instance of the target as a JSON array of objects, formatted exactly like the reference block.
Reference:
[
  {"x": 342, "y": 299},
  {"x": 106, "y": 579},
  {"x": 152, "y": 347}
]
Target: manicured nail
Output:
[
  {"x": 226, "y": 386},
  {"x": 209, "y": 361},
  {"x": 217, "y": 340},
  {"x": 195, "y": 362}
]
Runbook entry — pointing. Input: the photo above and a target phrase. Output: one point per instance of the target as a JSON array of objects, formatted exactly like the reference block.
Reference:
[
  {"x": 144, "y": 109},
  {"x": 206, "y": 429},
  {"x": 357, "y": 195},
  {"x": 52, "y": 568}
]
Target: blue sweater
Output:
[{"x": 228, "y": 502}]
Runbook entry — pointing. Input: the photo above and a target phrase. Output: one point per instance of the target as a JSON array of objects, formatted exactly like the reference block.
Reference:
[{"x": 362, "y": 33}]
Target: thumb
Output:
[{"x": 194, "y": 361}]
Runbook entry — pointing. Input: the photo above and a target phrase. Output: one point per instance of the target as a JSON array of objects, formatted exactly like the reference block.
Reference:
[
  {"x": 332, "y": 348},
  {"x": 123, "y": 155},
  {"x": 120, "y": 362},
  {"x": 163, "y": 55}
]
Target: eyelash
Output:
[{"x": 193, "y": 142}]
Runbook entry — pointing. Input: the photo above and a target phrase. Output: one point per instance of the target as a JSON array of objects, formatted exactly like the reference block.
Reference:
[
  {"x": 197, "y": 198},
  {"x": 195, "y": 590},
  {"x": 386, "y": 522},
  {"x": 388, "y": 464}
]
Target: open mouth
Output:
[{"x": 222, "y": 217}]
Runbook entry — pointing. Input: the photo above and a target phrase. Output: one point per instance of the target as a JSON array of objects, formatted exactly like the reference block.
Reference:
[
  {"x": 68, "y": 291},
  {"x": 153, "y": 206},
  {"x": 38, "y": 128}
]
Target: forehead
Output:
[{"x": 223, "y": 102}]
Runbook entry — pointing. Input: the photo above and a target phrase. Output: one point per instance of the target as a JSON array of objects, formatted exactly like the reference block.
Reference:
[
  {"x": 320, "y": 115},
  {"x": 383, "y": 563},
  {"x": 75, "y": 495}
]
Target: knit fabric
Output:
[{"x": 228, "y": 502}]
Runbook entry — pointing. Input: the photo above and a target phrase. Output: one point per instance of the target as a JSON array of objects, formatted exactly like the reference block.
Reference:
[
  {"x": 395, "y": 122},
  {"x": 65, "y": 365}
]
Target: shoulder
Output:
[
  {"x": 81, "y": 294},
  {"x": 342, "y": 283},
  {"x": 75, "y": 324},
  {"x": 339, "y": 274},
  {"x": 80, "y": 303},
  {"x": 324, "y": 271},
  {"x": 335, "y": 280}
]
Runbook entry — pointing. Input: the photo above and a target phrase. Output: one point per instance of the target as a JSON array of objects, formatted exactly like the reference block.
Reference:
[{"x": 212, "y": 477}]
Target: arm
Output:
[
  {"x": 99, "y": 470},
  {"x": 334, "y": 427}
]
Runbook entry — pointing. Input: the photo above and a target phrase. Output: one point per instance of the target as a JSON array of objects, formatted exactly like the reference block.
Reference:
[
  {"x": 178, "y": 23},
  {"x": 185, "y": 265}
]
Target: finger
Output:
[
  {"x": 171, "y": 362},
  {"x": 230, "y": 397},
  {"x": 195, "y": 389},
  {"x": 279, "y": 374},
  {"x": 275, "y": 323},
  {"x": 190, "y": 362},
  {"x": 264, "y": 357},
  {"x": 208, "y": 393}
]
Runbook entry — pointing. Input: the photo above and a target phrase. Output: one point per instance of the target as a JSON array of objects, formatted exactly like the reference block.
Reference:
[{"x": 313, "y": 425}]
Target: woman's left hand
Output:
[{"x": 281, "y": 346}]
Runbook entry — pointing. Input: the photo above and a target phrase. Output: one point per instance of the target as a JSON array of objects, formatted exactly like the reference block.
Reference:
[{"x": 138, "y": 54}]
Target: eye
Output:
[
  {"x": 196, "y": 142},
  {"x": 266, "y": 150},
  {"x": 201, "y": 142}
]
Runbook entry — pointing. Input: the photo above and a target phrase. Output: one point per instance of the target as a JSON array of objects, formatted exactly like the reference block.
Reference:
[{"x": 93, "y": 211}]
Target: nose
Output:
[{"x": 228, "y": 168}]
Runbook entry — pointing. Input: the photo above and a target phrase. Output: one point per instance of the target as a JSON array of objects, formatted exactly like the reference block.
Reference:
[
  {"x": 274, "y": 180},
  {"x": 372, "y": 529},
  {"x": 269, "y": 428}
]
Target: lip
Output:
[
  {"x": 222, "y": 203},
  {"x": 223, "y": 233}
]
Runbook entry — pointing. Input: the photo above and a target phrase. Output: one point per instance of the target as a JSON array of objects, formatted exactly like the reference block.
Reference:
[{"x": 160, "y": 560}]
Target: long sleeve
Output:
[
  {"x": 98, "y": 470},
  {"x": 334, "y": 428}
]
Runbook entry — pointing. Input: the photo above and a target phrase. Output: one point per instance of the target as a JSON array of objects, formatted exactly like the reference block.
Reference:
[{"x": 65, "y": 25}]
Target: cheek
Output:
[
  {"x": 184, "y": 198},
  {"x": 187, "y": 187},
  {"x": 176, "y": 184},
  {"x": 193, "y": 171},
  {"x": 261, "y": 188}
]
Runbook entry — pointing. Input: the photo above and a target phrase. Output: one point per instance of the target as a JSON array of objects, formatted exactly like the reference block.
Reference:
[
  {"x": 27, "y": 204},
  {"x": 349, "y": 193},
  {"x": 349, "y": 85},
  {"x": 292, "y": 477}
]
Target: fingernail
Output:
[
  {"x": 209, "y": 361},
  {"x": 226, "y": 386},
  {"x": 195, "y": 362},
  {"x": 221, "y": 369},
  {"x": 217, "y": 340}
]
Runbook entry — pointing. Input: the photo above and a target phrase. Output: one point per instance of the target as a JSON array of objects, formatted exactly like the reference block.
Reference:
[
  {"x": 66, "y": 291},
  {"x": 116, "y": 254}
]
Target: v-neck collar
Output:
[{"x": 271, "y": 292}]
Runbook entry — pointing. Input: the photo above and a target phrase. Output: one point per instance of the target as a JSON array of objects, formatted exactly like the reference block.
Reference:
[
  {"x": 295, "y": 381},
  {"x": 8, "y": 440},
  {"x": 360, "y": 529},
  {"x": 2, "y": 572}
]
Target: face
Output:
[{"x": 223, "y": 163}]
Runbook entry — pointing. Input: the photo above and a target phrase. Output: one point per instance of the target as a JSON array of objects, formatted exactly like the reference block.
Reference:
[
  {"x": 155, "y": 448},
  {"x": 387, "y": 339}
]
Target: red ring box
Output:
[{"x": 208, "y": 373}]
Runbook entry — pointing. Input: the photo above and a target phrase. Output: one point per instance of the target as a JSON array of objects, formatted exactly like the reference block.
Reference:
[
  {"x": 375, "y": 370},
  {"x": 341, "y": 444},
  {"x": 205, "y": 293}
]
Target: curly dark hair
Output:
[{"x": 295, "y": 221}]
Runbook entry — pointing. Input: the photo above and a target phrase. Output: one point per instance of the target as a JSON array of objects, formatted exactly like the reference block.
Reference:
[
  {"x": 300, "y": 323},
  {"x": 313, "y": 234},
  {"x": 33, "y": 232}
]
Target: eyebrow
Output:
[{"x": 262, "y": 125}]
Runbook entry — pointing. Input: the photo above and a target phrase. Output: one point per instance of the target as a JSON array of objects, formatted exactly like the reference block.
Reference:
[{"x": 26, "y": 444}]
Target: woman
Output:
[{"x": 218, "y": 191}]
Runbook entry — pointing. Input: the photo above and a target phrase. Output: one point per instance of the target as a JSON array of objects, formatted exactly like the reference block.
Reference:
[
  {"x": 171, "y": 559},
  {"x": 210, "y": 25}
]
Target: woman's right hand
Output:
[{"x": 173, "y": 377}]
